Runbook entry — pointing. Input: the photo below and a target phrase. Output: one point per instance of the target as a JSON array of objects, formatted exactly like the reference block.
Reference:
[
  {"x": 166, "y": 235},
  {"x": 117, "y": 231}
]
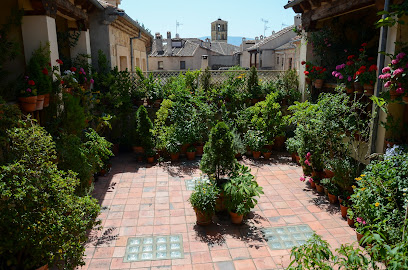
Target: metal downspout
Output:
[
  {"x": 132, "y": 56},
  {"x": 383, "y": 47}
]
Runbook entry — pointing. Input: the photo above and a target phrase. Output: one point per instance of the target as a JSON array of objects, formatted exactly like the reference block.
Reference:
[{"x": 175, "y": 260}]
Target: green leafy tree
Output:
[
  {"x": 219, "y": 156},
  {"x": 43, "y": 221},
  {"x": 144, "y": 129}
]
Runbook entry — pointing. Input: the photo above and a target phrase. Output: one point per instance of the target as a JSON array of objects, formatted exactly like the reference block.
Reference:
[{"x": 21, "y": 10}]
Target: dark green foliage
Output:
[
  {"x": 205, "y": 80},
  {"x": 73, "y": 117},
  {"x": 144, "y": 129},
  {"x": 43, "y": 221},
  {"x": 9, "y": 117},
  {"x": 203, "y": 198},
  {"x": 253, "y": 83},
  {"x": 219, "y": 156},
  {"x": 38, "y": 65}
]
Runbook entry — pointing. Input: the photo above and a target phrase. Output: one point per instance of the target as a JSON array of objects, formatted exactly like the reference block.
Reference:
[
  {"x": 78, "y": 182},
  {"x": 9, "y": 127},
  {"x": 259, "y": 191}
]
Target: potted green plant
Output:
[
  {"x": 292, "y": 146},
  {"x": 255, "y": 141},
  {"x": 344, "y": 206},
  {"x": 238, "y": 144},
  {"x": 173, "y": 147},
  {"x": 333, "y": 192},
  {"x": 150, "y": 154},
  {"x": 203, "y": 201},
  {"x": 267, "y": 153},
  {"x": 240, "y": 193},
  {"x": 191, "y": 152},
  {"x": 219, "y": 157},
  {"x": 28, "y": 95}
]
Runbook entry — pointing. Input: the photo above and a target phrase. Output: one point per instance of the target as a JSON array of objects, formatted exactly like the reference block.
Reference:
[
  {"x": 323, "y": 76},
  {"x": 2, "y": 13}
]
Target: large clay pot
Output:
[
  {"x": 267, "y": 155},
  {"x": 312, "y": 184},
  {"x": 368, "y": 89},
  {"x": 318, "y": 83},
  {"x": 28, "y": 104},
  {"x": 235, "y": 218},
  {"x": 350, "y": 222},
  {"x": 199, "y": 150},
  {"x": 202, "y": 218},
  {"x": 40, "y": 102},
  {"x": 150, "y": 160},
  {"x": 191, "y": 155},
  {"x": 46, "y": 100},
  {"x": 319, "y": 188},
  {"x": 343, "y": 210},
  {"x": 332, "y": 198},
  {"x": 174, "y": 156},
  {"x": 256, "y": 154}
]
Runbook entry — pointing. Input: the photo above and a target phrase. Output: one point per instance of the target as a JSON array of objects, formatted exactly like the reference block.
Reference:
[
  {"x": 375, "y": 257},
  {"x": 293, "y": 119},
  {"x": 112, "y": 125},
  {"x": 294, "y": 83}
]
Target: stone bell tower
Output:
[{"x": 219, "y": 31}]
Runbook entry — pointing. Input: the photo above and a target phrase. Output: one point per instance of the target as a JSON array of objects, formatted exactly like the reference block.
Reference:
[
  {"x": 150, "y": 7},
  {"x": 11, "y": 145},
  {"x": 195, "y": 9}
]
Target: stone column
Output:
[
  {"x": 38, "y": 30},
  {"x": 83, "y": 46}
]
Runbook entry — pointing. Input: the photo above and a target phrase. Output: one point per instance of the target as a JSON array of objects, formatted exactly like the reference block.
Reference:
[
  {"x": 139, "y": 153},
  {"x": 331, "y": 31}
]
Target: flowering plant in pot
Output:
[
  {"x": 203, "y": 201},
  {"x": 240, "y": 193},
  {"x": 316, "y": 73},
  {"x": 394, "y": 75},
  {"x": 366, "y": 74},
  {"x": 255, "y": 141},
  {"x": 344, "y": 206},
  {"x": 28, "y": 95}
]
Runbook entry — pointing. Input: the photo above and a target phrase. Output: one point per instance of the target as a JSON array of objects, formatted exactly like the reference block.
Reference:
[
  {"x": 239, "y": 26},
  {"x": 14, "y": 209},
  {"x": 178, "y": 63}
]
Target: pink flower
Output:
[
  {"x": 349, "y": 78},
  {"x": 398, "y": 71},
  {"x": 341, "y": 77},
  {"x": 401, "y": 55},
  {"x": 337, "y": 74},
  {"x": 302, "y": 178},
  {"x": 361, "y": 221},
  {"x": 385, "y": 76},
  {"x": 28, "y": 90},
  {"x": 311, "y": 180},
  {"x": 400, "y": 90},
  {"x": 308, "y": 163},
  {"x": 308, "y": 155},
  {"x": 387, "y": 84},
  {"x": 386, "y": 69},
  {"x": 395, "y": 61},
  {"x": 334, "y": 73},
  {"x": 92, "y": 81}
]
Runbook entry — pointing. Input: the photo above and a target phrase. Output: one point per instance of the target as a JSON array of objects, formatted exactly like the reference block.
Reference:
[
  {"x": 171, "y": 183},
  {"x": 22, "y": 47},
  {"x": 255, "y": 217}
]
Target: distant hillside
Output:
[{"x": 231, "y": 40}]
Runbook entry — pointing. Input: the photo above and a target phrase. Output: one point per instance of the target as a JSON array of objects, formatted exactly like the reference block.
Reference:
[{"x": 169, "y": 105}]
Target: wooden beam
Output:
[
  {"x": 315, "y": 3},
  {"x": 297, "y": 9},
  {"x": 340, "y": 6},
  {"x": 305, "y": 6},
  {"x": 71, "y": 10}
]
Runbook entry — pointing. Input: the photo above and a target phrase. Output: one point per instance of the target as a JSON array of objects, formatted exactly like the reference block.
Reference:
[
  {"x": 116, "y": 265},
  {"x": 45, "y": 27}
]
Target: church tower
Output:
[{"x": 219, "y": 31}]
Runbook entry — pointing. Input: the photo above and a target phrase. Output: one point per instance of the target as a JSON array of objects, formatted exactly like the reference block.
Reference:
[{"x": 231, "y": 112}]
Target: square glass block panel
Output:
[
  {"x": 287, "y": 237},
  {"x": 150, "y": 248},
  {"x": 191, "y": 183}
]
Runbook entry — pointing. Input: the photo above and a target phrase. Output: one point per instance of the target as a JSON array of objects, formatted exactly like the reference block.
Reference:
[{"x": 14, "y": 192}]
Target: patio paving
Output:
[{"x": 141, "y": 201}]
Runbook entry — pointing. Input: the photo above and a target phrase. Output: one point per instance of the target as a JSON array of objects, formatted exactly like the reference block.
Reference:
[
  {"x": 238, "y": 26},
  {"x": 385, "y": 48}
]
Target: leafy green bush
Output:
[
  {"x": 255, "y": 140},
  {"x": 144, "y": 129},
  {"x": 43, "y": 221}
]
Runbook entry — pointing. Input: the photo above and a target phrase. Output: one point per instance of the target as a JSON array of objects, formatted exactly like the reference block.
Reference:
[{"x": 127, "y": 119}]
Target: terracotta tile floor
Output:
[{"x": 140, "y": 200}]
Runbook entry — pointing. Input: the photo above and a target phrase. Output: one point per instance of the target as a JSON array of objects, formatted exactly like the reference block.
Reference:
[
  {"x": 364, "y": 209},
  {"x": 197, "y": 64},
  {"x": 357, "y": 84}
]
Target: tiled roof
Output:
[
  {"x": 272, "y": 37},
  {"x": 223, "y": 48},
  {"x": 188, "y": 49},
  {"x": 286, "y": 46}
]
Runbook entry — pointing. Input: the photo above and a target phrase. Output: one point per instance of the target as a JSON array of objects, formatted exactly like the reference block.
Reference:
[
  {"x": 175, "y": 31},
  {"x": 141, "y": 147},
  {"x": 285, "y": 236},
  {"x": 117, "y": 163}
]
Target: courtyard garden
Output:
[{"x": 108, "y": 169}]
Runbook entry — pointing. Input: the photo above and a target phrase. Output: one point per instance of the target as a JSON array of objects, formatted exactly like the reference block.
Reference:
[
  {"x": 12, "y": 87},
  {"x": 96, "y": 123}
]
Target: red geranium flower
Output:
[
  {"x": 361, "y": 50},
  {"x": 303, "y": 62},
  {"x": 73, "y": 69},
  {"x": 350, "y": 63},
  {"x": 45, "y": 71},
  {"x": 62, "y": 82},
  {"x": 350, "y": 57},
  {"x": 31, "y": 82},
  {"x": 372, "y": 68},
  {"x": 370, "y": 58},
  {"x": 306, "y": 72},
  {"x": 364, "y": 44},
  {"x": 59, "y": 61}
]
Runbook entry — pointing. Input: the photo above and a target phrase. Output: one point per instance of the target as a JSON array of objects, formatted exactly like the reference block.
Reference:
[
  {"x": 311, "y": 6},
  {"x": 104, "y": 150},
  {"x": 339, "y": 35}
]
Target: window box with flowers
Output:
[{"x": 394, "y": 76}]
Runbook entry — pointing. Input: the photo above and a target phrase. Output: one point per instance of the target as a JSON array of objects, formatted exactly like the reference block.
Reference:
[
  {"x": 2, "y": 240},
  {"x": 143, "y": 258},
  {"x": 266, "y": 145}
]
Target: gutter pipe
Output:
[
  {"x": 383, "y": 47},
  {"x": 132, "y": 56}
]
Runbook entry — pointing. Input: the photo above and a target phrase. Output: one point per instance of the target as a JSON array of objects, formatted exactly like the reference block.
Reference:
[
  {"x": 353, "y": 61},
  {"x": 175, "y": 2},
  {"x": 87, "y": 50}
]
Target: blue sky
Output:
[{"x": 244, "y": 17}]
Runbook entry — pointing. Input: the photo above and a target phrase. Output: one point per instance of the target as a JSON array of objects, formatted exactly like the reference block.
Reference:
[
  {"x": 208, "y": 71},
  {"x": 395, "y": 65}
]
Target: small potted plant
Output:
[
  {"x": 238, "y": 144},
  {"x": 191, "y": 152},
  {"x": 173, "y": 147},
  {"x": 256, "y": 141},
  {"x": 203, "y": 201},
  {"x": 344, "y": 206},
  {"x": 333, "y": 192},
  {"x": 28, "y": 95},
  {"x": 319, "y": 186},
  {"x": 267, "y": 153},
  {"x": 150, "y": 154},
  {"x": 240, "y": 193},
  {"x": 350, "y": 217},
  {"x": 144, "y": 135}
]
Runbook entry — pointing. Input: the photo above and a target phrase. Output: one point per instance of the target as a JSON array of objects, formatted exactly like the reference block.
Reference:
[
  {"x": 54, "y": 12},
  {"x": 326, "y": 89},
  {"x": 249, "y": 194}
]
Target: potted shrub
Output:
[
  {"x": 28, "y": 95},
  {"x": 319, "y": 187},
  {"x": 333, "y": 192},
  {"x": 241, "y": 192},
  {"x": 51, "y": 225},
  {"x": 267, "y": 153},
  {"x": 366, "y": 74},
  {"x": 255, "y": 141},
  {"x": 150, "y": 154},
  {"x": 191, "y": 152},
  {"x": 173, "y": 147},
  {"x": 238, "y": 144},
  {"x": 144, "y": 134},
  {"x": 203, "y": 201},
  {"x": 219, "y": 157}
]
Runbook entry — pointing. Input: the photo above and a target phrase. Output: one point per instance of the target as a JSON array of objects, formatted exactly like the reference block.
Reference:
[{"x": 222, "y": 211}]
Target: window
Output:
[
  {"x": 182, "y": 64},
  {"x": 123, "y": 63},
  {"x": 160, "y": 64},
  {"x": 138, "y": 62},
  {"x": 290, "y": 63},
  {"x": 277, "y": 60}
]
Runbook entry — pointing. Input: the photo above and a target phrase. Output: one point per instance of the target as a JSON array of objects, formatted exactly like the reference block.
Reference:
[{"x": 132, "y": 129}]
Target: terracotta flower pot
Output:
[
  {"x": 312, "y": 184},
  {"x": 350, "y": 222},
  {"x": 191, "y": 155},
  {"x": 340, "y": 198},
  {"x": 319, "y": 188},
  {"x": 359, "y": 237},
  {"x": 328, "y": 173},
  {"x": 358, "y": 87},
  {"x": 184, "y": 148},
  {"x": 256, "y": 154},
  {"x": 267, "y": 155},
  {"x": 174, "y": 156},
  {"x": 318, "y": 83},
  {"x": 248, "y": 151},
  {"x": 199, "y": 150},
  {"x": 150, "y": 160},
  {"x": 394, "y": 94},
  {"x": 293, "y": 156},
  {"x": 45, "y": 267},
  {"x": 28, "y": 104},
  {"x": 368, "y": 89},
  {"x": 40, "y": 102},
  {"x": 332, "y": 198},
  {"x": 46, "y": 100},
  {"x": 297, "y": 157},
  {"x": 235, "y": 218},
  {"x": 138, "y": 149},
  {"x": 343, "y": 210},
  {"x": 203, "y": 219}
]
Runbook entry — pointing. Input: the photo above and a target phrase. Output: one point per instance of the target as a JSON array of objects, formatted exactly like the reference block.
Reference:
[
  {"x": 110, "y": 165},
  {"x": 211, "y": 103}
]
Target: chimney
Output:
[
  {"x": 169, "y": 49},
  {"x": 207, "y": 43},
  {"x": 298, "y": 20},
  {"x": 159, "y": 43},
  {"x": 204, "y": 62},
  {"x": 256, "y": 39}
]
